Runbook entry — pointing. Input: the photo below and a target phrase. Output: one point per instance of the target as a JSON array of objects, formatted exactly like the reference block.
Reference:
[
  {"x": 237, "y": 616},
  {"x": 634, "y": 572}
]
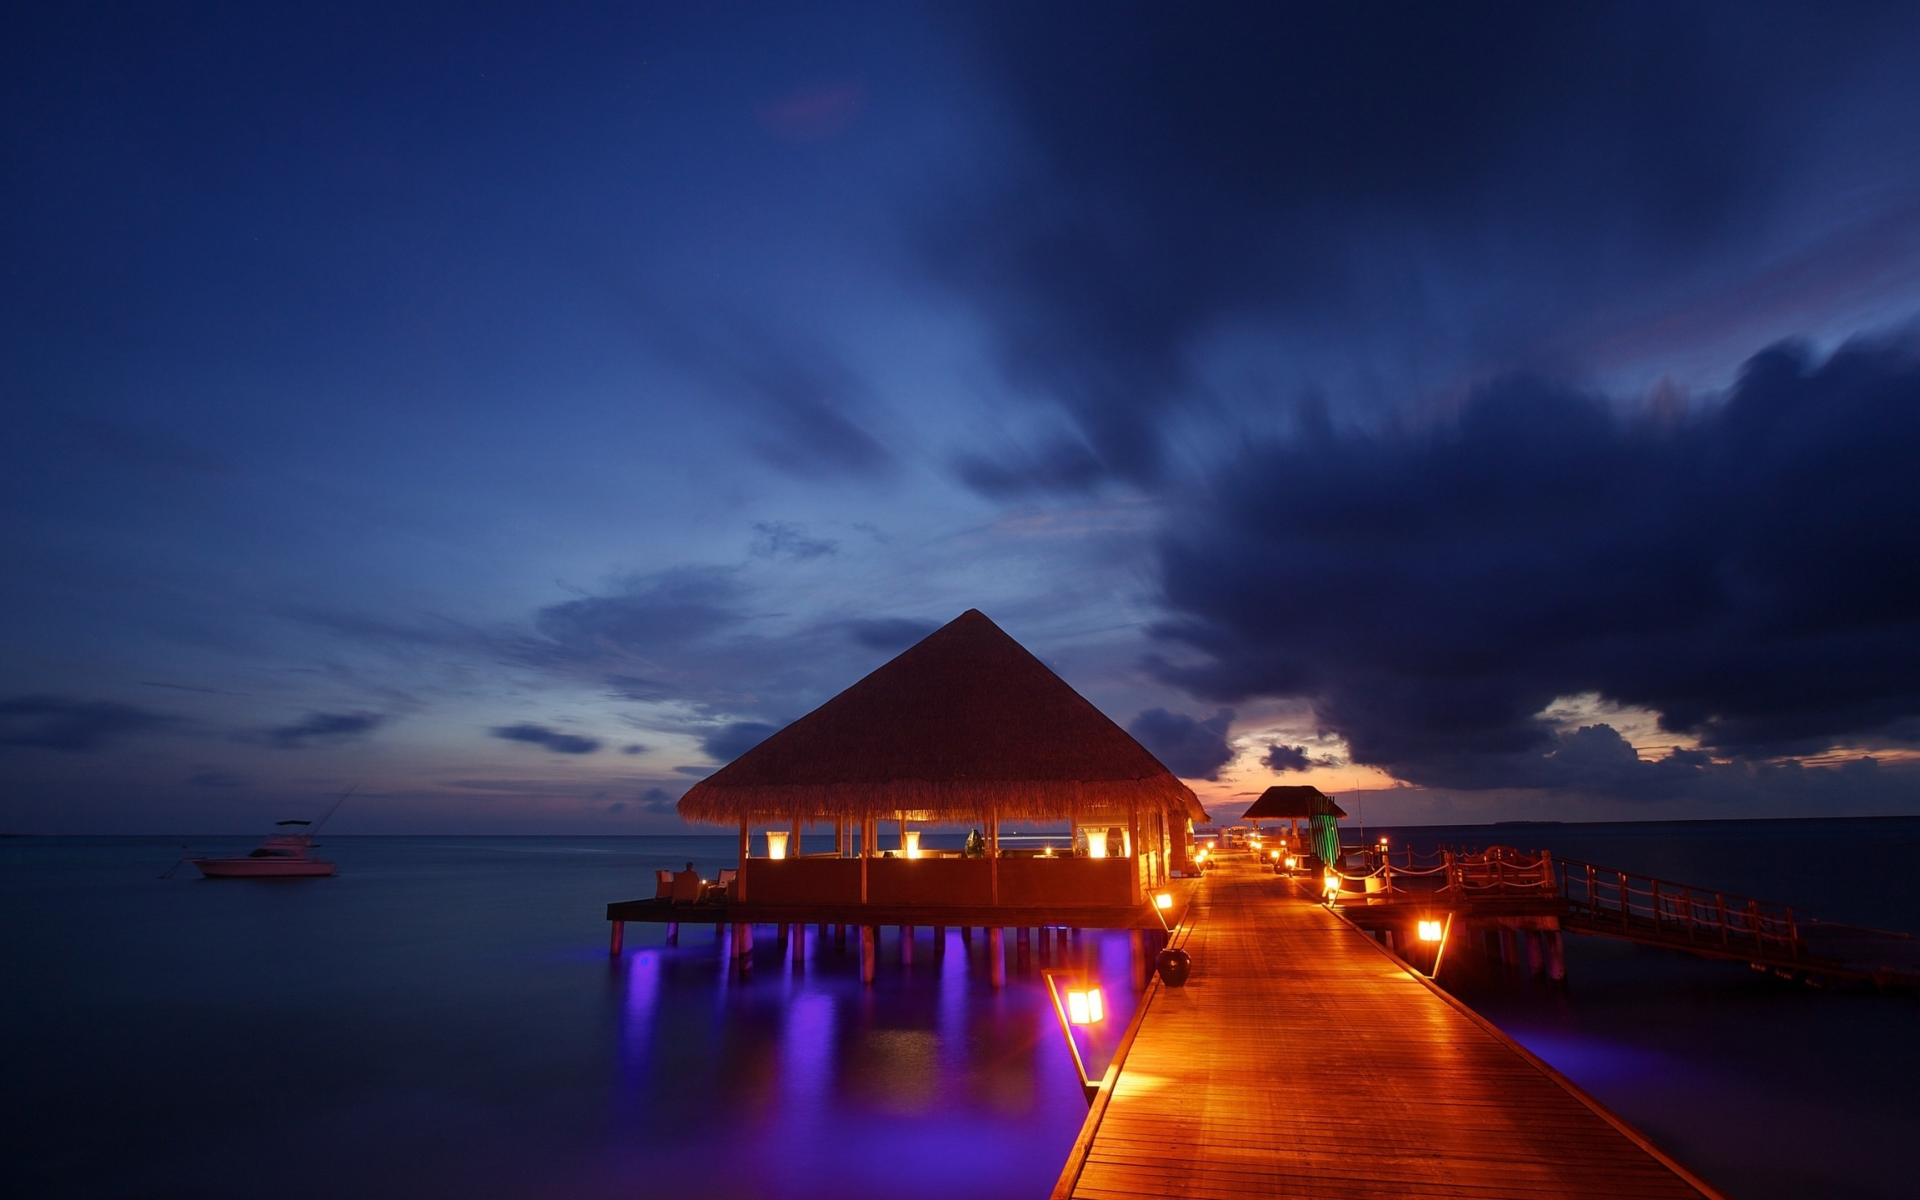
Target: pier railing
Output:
[
  {"x": 1642, "y": 906},
  {"x": 1450, "y": 874}
]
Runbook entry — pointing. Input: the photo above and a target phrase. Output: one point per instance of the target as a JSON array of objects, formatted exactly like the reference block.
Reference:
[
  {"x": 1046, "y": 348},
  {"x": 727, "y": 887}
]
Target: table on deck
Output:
[{"x": 1302, "y": 1060}]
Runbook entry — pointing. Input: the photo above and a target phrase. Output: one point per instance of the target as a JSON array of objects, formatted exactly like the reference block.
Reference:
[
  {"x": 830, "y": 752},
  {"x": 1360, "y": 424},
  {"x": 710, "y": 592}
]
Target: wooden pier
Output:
[{"x": 1303, "y": 1059}]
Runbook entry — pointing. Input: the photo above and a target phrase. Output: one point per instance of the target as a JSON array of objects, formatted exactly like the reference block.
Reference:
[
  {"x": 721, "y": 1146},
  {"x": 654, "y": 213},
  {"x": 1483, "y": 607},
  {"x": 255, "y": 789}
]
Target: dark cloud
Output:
[
  {"x": 633, "y": 748},
  {"x": 658, "y": 800},
  {"x": 1286, "y": 758},
  {"x": 60, "y": 723},
  {"x": 325, "y": 727},
  {"x": 815, "y": 113},
  {"x": 690, "y": 635},
  {"x": 1190, "y": 749},
  {"x": 783, "y": 539},
  {"x": 1750, "y": 572},
  {"x": 808, "y": 408},
  {"x": 732, "y": 740},
  {"x": 551, "y": 739},
  {"x": 889, "y": 633},
  {"x": 696, "y": 772},
  {"x": 1446, "y": 183}
]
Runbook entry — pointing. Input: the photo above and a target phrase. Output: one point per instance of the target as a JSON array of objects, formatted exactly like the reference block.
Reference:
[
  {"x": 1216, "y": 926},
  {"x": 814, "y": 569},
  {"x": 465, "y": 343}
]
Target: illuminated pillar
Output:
[
  {"x": 993, "y": 861},
  {"x": 1133, "y": 848},
  {"x": 740, "y": 879}
]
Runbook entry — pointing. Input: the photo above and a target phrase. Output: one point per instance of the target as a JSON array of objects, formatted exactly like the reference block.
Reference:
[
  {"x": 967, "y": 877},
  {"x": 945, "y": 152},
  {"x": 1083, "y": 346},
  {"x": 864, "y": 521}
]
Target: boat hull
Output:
[{"x": 262, "y": 868}]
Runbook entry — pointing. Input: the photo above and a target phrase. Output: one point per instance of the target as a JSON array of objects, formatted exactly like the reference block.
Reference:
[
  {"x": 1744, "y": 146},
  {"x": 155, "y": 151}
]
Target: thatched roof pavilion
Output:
[
  {"x": 964, "y": 726},
  {"x": 1292, "y": 803}
]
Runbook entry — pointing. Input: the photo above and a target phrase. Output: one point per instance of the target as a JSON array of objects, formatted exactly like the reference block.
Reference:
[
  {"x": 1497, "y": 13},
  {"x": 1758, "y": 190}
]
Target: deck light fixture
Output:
[
  {"x": 1429, "y": 931},
  {"x": 1082, "y": 1005},
  {"x": 1331, "y": 884},
  {"x": 913, "y": 843},
  {"x": 1163, "y": 901},
  {"x": 1292, "y": 862},
  {"x": 776, "y": 843}
]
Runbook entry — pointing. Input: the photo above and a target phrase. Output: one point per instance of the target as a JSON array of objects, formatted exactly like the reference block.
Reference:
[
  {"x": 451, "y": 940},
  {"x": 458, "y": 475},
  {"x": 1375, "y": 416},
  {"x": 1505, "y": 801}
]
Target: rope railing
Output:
[{"x": 1499, "y": 870}]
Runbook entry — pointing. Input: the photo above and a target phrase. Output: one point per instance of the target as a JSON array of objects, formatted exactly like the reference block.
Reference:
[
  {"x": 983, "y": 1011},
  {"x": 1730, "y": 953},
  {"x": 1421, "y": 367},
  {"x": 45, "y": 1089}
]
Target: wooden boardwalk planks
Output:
[{"x": 1301, "y": 1060}]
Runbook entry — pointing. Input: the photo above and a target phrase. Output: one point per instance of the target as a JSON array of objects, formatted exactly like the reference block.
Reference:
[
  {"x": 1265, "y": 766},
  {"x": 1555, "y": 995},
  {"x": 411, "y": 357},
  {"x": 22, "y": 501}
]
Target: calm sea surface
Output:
[{"x": 443, "y": 1019}]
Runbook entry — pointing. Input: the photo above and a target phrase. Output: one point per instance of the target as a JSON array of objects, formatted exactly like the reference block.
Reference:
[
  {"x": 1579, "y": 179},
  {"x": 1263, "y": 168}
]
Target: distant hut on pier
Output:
[
  {"x": 1301, "y": 802},
  {"x": 965, "y": 728}
]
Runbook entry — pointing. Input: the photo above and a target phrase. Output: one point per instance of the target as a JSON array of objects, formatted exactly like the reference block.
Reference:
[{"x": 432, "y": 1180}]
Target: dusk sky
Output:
[{"x": 1479, "y": 411}]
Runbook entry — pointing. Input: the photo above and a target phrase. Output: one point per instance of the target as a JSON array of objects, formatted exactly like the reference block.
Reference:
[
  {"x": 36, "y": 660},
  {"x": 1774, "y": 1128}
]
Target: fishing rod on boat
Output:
[
  {"x": 185, "y": 854},
  {"x": 314, "y": 831}
]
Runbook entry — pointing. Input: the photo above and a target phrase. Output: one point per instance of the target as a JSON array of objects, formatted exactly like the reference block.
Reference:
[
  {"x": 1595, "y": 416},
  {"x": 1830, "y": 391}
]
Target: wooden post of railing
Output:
[
  {"x": 1625, "y": 907},
  {"x": 1687, "y": 896},
  {"x": 1593, "y": 892},
  {"x": 1720, "y": 908},
  {"x": 1753, "y": 918}
]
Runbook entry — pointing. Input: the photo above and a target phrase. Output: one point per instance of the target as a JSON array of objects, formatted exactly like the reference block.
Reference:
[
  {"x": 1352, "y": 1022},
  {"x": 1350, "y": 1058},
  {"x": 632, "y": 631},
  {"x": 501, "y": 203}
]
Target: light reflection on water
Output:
[
  {"x": 442, "y": 1019},
  {"x": 929, "y": 1083}
]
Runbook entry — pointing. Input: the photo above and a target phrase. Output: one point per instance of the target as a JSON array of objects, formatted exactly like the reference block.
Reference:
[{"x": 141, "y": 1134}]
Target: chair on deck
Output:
[
  {"x": 723, "y": 887},
  {"x": 663, "y": 884},
  {"x": 686, "y": 887}
]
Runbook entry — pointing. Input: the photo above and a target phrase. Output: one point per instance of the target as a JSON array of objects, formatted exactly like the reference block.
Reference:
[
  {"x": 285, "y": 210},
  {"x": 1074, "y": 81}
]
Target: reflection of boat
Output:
[
  {"x": 285, "y": 855},
  {"x": 282, "y": 856}
]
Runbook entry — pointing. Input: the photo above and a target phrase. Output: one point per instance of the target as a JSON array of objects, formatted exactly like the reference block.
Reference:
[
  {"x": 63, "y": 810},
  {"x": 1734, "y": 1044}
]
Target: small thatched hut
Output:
[
  {"x": 964, "y": 728},
  {"x": 1297, "y": 803}
]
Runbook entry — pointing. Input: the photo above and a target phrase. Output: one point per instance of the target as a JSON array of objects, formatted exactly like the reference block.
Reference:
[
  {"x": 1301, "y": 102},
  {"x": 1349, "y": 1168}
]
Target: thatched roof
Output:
[
  {"x": 964, "y": 722},
  {"x": 1287, "y": 803}
]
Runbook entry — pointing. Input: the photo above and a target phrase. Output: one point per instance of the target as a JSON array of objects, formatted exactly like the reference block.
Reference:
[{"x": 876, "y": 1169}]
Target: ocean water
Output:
[
  {"x": 443, "y": 1019},
  {"x": 1769, "y": 1089}
]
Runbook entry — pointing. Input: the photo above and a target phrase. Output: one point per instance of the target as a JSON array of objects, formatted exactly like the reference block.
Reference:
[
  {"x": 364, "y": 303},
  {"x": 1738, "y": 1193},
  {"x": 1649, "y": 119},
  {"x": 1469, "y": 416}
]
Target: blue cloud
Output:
[{"x": 551, "y": 739}]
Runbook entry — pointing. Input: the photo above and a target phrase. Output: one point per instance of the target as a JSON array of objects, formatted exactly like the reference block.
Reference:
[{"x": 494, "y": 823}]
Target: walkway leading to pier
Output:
[{"x": 1302, "y": 1060}]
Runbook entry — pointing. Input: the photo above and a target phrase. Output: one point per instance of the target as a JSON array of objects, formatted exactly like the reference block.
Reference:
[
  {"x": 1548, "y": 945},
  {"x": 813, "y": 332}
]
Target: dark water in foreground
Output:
[{"x": 442, "y": 1019}]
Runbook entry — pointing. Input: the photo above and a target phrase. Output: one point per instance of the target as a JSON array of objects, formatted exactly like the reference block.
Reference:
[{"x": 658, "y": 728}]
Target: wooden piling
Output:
[
  {"x": 1556, "y": 958},
  {"x": 619, "y": 939},
  {"x": 997, "y": 956},
  {"x": 673, "y": 933},
  {"x": 939, "y": 941},
  {"x": 906, "y": 945},
  {"x": 869, "y": 950}
]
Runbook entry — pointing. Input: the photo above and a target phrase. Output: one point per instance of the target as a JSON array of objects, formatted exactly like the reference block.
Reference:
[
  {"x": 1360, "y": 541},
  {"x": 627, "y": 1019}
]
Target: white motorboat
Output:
[
  {"x": 282, "y": 856},
  {"x": 286, "y": 855}
]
